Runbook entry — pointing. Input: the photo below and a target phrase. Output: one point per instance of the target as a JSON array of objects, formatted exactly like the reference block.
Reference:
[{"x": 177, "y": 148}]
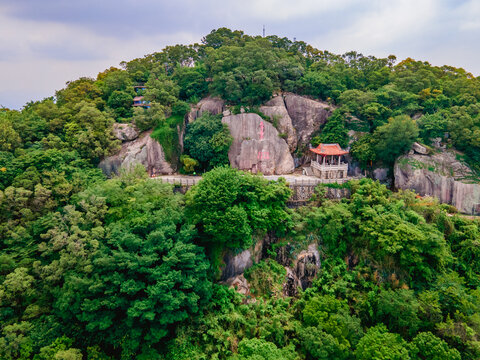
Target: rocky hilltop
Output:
[
  {"x": 440, "y": 175},
  {"x": 258, "y": 145}
]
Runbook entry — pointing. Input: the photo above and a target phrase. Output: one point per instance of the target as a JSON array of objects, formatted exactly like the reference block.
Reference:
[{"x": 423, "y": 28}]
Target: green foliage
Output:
[
  {"x": 363, "y": 150},
  {"x": 378, "y": 344},
  {"x": 395, "y": 138},
  {"x": 90, "y": 132},
  {"x": 146, "y": 119},
  {"x": 192, "y": 82},
  {"x": 258, "y": 349},
  {"x": 113, "y": 269},
  {"x": 432, "y": 126},
  {"x": 228, "y": 206},
  {"x": 141, "y": 242},
  {"x": 121, "y": 103},
  {"x": 9, "y": 138},
  {"x": 161, "y": 89},
  {"x": 398, "y": 310},
  {"x": 266, "y": 278},
  {"x": 166, "y": 133},
  {"x": 188, "y": 164},
  {"x": 332, "y": 317},
  {"x": 249, "y": 73},
  {"x": 427, "y": 346},
  {"x": 208, "y": 140},
  {"x": 382, "y": 230},
  {"x": 334, "y": 131}
]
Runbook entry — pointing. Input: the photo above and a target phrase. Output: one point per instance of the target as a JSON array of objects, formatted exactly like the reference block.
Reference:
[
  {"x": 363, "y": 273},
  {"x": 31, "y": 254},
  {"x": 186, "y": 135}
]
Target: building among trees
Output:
[{"x": 327, "y": 162}]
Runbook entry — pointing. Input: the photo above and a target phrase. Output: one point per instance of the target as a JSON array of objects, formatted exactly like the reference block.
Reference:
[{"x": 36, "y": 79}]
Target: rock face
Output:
[
  {"x": 439, "y": 175},
  {"x": 301, "y": 268},
  {"x": 240, "y": 284},
  {"x": 124, "y": 132},
  {"x": 307, "y": 115},
  {"x": 236, "y": 265},
  {"x": 306, "y": 265},
  {"x": 419, "y": 149},
  {"x": 277, "y": 111},
  {"x": 213, "y": 105},
  {"x": 256, "y": 146},
  {"x": 302, "y": 271},
  {"x": 144, "y": 150},
  {"x": 380, "y": 174}
]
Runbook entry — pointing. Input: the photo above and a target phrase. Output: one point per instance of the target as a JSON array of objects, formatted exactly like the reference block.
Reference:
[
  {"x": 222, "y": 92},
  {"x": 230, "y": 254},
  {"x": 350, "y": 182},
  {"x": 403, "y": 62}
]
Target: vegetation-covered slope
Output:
[{"x": 126, "y": 269}]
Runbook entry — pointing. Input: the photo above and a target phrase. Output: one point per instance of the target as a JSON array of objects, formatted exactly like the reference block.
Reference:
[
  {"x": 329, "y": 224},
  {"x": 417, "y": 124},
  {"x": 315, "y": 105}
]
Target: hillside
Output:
[{"x": 99, "y": 261}]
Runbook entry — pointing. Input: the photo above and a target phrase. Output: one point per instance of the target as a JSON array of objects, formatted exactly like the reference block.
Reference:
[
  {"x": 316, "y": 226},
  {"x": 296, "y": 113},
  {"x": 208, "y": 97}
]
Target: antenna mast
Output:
[{"x": 263, "y": 30}]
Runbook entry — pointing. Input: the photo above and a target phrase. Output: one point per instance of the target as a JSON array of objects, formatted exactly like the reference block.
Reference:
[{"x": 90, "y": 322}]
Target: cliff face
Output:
[
  {"x": 256, "y": 146},
  {"x": 439, "y": 175},
  {"x": 277, "y": 111},
  {"x": 302, "y": 266},
  {"x": 307, "y": 115},
  {"x": 144, "y": 150},
  {"x": 296, "y": 117}
]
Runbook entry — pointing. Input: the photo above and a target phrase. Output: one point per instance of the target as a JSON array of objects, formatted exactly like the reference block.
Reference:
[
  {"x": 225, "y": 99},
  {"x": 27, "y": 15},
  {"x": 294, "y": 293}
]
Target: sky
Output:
[{"x": 45, "y": 43}]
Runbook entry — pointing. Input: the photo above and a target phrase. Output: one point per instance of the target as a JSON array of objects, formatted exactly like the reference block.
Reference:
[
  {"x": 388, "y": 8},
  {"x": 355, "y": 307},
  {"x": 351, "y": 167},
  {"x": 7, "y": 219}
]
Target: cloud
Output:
[
  {"x": 380, "y": 27},
  {"x": 46, "y": 43},
  {"x": 281, "y": 10},
  {"x": 470, "y": 12},
  {"x": 43, "y": 56}
]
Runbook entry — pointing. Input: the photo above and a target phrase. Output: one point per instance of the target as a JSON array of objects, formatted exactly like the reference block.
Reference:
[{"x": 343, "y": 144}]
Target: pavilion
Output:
[{"x": 327, "y": 162}]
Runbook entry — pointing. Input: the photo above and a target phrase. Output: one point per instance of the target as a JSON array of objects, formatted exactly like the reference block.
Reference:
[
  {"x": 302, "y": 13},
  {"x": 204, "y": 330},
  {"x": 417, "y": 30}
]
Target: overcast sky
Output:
[{"x": 45, "y": 43}]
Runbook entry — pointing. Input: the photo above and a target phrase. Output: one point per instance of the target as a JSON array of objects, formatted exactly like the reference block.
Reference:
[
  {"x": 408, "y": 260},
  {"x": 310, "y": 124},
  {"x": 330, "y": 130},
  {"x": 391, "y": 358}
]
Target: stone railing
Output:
[
  {"x": 321, "y": 167},
  {"x": 180, "y": 180},
  {"x": 290, "y": 180}
]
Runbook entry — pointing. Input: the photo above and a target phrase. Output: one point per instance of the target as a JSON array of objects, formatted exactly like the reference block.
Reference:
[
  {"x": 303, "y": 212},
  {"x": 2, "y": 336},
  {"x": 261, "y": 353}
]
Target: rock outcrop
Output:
[
  {"x": 144, "y": 150},
  {"x": 302, "y": 271},
  {"x": 442, "y": 176},
  {"x": 213, "y": 105},
  {"x": 307, "y": 264},
  {"x": 125, "y": 132},
  {"x": 276, "y": 110},
  {"x": 236, "y": 264},
  {"x": 240, "y": 284},
  {"x": 256, "y": 146},
  {"x": 307, "y": 115},
  {"x": 419, "y": 148},
  {"x": 301, "y": 267}
]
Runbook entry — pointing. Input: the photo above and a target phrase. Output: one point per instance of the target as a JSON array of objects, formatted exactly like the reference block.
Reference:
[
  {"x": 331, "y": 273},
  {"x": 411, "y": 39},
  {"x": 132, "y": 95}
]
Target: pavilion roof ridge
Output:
[{"x": 329, "y": 149}]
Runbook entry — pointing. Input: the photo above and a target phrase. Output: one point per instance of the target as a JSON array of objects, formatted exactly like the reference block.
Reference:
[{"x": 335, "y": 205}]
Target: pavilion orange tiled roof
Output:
[{"x": 329, "y": 149}]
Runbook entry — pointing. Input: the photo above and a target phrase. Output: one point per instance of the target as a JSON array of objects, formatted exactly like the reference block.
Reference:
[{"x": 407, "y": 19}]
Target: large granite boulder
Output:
[
  {"x": 213, "y": 105},
  {"x": 277, "y": 111},
  {"x": 442, "y": 176},
  {"x": 144, "y": 150},
  {"x": 257, "y": 146},
  {"x": 125, "y": 132},
  {"x": 307, "y": 115}
]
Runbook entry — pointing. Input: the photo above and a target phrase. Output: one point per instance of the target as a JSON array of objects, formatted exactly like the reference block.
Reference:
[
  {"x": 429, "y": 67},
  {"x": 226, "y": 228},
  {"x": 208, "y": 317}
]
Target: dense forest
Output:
[{"x": 129, "y": 268}]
